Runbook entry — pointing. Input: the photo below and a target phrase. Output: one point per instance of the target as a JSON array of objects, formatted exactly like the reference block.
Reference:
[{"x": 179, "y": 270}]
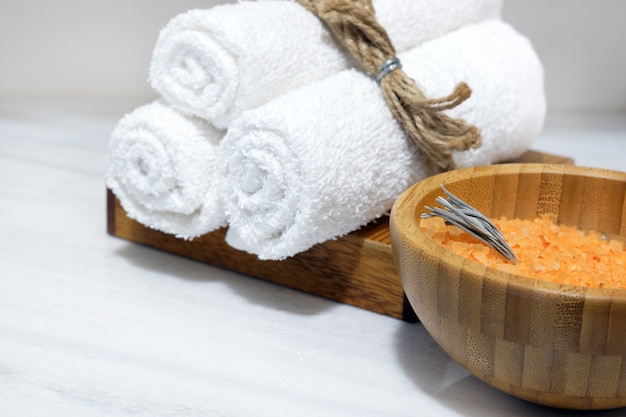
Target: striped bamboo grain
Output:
[{"x": 553, "y": 344}]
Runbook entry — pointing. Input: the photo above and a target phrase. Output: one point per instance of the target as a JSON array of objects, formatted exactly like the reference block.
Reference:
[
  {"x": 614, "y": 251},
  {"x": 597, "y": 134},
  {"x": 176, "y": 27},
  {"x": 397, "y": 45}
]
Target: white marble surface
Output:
[{"x": 91, "y": 325}]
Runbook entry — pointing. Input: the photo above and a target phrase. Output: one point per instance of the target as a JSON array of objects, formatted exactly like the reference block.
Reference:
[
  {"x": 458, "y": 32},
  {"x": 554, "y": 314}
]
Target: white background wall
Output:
[
  {"x": 88, "y": 48},
  {"x": 582, "y": 44}
]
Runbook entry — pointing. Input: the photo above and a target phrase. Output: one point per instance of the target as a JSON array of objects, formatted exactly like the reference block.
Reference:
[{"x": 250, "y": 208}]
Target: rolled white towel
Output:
[
  {"x": 161, "y": 166},
  {"x": 214, "y": 63},
  {"x": 325, "y": 159}
]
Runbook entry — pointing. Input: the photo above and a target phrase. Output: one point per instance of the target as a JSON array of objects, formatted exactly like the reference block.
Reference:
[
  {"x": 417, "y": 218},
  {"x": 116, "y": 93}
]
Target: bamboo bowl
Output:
[{"x": 552, "y": 344}]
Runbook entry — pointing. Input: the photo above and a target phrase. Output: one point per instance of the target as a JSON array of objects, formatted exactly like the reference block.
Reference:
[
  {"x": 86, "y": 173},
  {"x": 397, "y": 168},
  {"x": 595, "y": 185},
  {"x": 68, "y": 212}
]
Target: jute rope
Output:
[{"x": 354, "y": 24}]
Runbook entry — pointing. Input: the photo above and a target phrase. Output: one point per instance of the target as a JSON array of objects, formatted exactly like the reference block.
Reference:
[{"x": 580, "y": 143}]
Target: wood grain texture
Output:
[
  {"x": 554, "y": 344},
  {"x": 352, "y": 270},
  {"x": 357, "y": 269}
]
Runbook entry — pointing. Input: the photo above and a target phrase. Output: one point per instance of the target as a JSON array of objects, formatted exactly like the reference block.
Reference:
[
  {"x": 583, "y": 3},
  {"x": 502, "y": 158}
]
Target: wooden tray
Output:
[{"x": 357, "y": 269}]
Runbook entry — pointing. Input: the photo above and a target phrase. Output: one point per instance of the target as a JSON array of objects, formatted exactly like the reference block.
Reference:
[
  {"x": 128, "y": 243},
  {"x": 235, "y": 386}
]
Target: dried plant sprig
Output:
[{"x": 460, "y": 214}]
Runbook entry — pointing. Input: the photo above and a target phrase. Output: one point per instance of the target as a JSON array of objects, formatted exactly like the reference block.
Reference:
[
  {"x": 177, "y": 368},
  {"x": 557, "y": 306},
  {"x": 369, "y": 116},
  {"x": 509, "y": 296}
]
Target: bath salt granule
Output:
[{"x": 545, "y": 250}]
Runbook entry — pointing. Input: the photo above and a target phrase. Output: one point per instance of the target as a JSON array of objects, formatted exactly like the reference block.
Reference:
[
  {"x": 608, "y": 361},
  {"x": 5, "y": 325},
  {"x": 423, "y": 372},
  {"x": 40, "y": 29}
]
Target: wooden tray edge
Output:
[{"x": 357, "y": 269}]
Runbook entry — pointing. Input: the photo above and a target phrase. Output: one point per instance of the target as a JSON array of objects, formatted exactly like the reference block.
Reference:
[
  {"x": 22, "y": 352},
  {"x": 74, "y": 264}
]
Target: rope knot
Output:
[{"x": 436, "y": 135}]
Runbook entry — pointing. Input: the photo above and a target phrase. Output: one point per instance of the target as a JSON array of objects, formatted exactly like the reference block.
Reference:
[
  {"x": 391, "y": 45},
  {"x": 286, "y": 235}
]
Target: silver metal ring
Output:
[{"x": 389, "y": 65}]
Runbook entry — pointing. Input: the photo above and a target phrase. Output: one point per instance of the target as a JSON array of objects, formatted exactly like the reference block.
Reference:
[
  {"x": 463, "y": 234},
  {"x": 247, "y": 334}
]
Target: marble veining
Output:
[{"x": 91, "y": 325}]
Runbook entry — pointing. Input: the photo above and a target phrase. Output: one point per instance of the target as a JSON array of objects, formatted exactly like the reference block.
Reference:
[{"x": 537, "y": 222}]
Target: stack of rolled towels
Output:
[{"x": 266, "y": 126}]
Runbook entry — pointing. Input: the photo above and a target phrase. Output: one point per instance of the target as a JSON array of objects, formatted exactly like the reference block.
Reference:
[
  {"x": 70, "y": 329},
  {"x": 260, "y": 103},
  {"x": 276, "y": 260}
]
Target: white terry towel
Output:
[
  {"x": 214, "y": 63},
  {"x": 162, "y": 165},
  {"x": 325, "y": 159}
]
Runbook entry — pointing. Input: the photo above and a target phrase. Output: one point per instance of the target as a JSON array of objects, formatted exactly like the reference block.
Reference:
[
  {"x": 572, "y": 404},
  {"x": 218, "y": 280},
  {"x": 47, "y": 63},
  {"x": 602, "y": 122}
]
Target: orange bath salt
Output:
[{"x": 544, "y": 250}]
